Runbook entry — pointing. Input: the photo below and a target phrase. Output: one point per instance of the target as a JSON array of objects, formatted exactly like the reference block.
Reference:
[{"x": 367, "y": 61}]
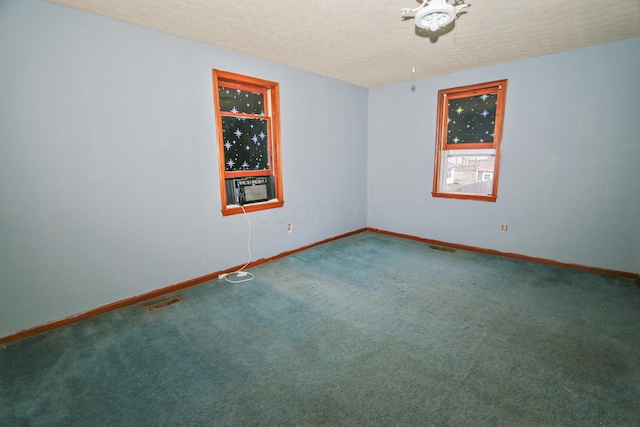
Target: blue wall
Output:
[
  {"x": 109, "y": 185},
  {"x": 570, "y": 167}
]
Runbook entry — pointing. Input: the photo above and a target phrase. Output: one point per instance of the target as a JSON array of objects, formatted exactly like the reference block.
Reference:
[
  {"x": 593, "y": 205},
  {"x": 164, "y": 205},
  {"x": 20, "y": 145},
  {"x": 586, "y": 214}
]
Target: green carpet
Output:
[{"x": 368, "y": 330}]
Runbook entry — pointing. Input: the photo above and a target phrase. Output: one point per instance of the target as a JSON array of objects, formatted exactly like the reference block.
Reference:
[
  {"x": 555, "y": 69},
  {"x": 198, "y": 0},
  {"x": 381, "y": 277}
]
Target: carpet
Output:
[{"x": 367, "y": 330}]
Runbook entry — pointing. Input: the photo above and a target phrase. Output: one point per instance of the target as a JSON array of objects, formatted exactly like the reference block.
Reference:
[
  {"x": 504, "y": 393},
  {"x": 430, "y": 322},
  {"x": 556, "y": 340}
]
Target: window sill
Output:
[{"x": 464, "y": 196}]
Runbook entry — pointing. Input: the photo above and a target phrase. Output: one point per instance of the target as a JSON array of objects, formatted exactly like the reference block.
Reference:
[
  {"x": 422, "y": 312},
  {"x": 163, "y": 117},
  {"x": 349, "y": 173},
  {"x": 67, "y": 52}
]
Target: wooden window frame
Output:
[
  {"x": 444, "y": 96},
  {"x": 271, "y": 93}
]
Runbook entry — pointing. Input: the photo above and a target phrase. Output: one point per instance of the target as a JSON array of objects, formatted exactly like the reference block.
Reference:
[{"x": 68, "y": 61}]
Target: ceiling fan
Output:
[{"x": 434, "y": 14}]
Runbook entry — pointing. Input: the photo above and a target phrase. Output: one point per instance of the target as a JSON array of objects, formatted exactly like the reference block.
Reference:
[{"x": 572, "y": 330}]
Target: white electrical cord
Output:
[{"x": 240, "y": 273}]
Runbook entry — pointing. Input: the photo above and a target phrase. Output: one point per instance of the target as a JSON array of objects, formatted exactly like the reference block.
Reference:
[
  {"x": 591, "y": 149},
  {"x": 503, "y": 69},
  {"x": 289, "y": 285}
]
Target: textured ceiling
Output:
[{"x": 367, "y": 43}]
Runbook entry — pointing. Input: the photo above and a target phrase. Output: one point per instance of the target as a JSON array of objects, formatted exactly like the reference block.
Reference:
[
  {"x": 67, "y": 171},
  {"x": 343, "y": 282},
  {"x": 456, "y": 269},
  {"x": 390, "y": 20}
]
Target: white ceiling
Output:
[{"x": 367, "y": 43}]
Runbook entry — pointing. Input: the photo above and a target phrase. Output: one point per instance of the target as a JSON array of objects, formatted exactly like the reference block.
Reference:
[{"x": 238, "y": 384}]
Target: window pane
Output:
[
  {"x": 472, "y": 119},
  {"x": 468, "y": 174},
  {"x": 245, "y": 143},
  {"x": 240, "y": 101}
]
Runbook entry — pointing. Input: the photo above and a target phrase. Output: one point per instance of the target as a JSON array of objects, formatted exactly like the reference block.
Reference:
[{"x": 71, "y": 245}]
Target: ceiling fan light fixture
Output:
[
  {"x": 433, "y": 18},
  {"x": 434, "y": 14}
]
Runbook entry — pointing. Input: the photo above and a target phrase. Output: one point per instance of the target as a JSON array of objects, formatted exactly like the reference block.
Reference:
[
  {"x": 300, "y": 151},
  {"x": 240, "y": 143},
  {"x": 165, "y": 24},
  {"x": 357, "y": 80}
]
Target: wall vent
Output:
[
  {"x": 442, "y": 248},
  {"x": 164, "y": 303}
]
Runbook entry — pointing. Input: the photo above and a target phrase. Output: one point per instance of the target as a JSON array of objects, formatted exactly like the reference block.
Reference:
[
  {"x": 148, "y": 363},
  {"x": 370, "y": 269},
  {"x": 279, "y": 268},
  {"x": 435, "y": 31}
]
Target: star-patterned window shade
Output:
[
  {"x": 245, "y": 144},
  {"x": 247, "y": 112},
  {"x": 245, "y": 138},
  {"x": 468, "y": 141},
  {"x": 472, "y": 119},
  {"x": 235, "y": 100}
]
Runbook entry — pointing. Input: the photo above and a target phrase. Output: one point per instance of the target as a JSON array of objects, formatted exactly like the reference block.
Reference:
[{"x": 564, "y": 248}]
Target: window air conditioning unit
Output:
[{"x": 243, "y": 191}]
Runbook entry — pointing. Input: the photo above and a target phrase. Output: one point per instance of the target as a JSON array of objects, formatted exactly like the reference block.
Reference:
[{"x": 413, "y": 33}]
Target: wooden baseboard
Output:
[
  {"x": 616, "y": 273},
  {"x": 154, "y": 294}
]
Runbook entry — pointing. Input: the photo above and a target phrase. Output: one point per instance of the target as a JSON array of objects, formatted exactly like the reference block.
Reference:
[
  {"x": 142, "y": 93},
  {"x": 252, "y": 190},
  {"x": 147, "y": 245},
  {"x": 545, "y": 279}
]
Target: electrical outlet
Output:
[
  {"x": 290, "y": 228},
  {"x": 504, "y": 227}
]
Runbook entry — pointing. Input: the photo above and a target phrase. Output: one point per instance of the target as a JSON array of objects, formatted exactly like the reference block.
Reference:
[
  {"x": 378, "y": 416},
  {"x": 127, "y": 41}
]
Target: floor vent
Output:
[
  {"x": 442, "y": 248},
  {"x": 163, "y": 304}
]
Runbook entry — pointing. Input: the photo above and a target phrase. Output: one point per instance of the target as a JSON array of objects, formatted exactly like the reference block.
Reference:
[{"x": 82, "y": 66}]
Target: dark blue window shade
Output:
[
  {"x": 240, "y": 101},
  {"x": 472, "y": 120},
  {"x": 246, "y": 144}
]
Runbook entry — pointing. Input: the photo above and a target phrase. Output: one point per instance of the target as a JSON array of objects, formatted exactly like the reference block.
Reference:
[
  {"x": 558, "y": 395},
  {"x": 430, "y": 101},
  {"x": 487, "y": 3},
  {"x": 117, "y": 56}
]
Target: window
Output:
[
  {"x": 248, "y": 121},
  {"x": 468, "y": 138}
]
